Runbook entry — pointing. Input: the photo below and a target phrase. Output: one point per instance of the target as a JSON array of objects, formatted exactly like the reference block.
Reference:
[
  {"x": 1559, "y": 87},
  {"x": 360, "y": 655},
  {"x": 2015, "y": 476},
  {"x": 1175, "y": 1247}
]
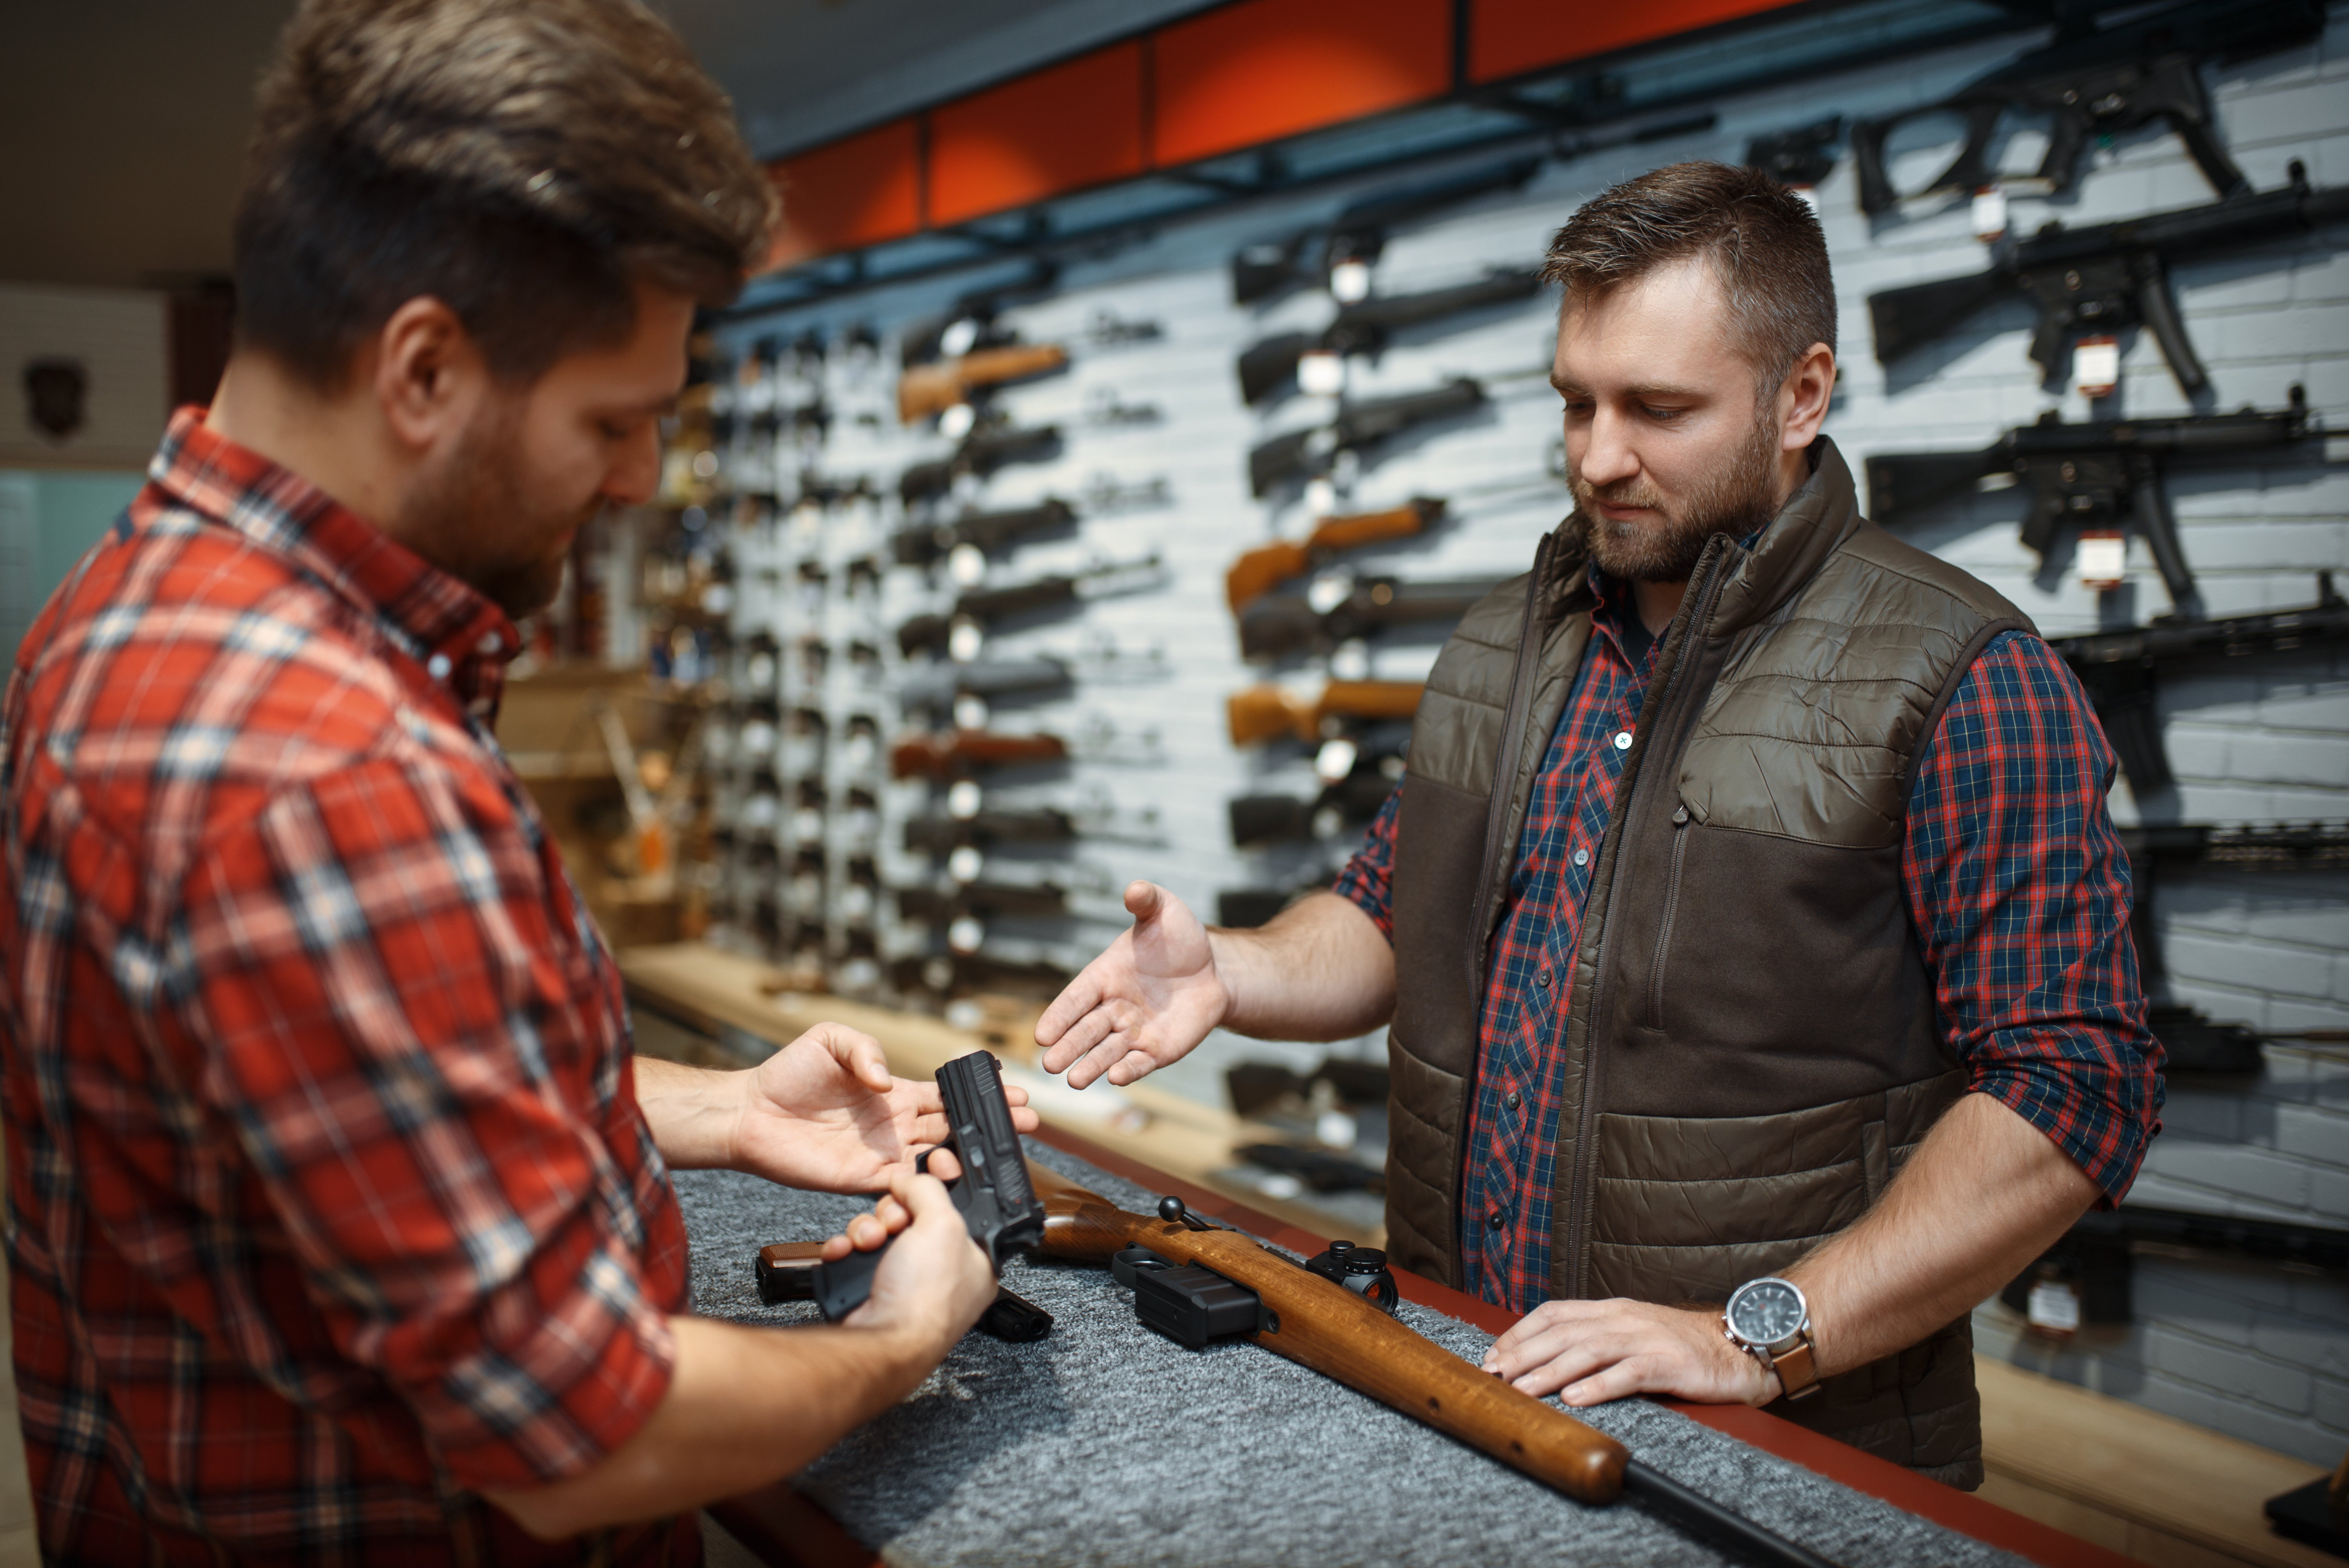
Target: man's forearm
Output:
[
  {"x": 1984, "y": 1194},
  {"x": 1320, "y": 970},
  {"x": 745, "y": 1406},
  {"x": 693, "y": 1111}
]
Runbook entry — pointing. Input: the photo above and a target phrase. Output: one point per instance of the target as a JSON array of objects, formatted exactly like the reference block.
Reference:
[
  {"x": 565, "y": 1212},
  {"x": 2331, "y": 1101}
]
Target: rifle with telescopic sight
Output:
[{"x": 1303, "y": 454}]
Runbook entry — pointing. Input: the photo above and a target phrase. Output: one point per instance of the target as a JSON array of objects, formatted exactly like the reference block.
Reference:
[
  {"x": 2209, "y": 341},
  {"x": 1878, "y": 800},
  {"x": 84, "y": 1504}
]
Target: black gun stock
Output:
[
  {"x": 1283, "y": 623},
  {"x": 2121, "y": 670},
  {"x": 2104, "y": 278},
  {"x": 981, "y": 453},
  {"x": 1300, "y": 454},
  {"x": 989, "y": 530},
  {"x": 1364, "y": 327},
  {"x": 2099, "y": 475},
  {"x": 1359, "y": 232},
  {"x": 2100, "y": 81},
  {"x": 984, "y": 830},
  {"x": 999, "y": 1206}
]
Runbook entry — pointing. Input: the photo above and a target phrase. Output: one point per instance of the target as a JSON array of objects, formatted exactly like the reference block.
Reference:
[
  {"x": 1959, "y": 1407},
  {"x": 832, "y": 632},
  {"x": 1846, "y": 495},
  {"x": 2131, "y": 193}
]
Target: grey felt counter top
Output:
[{"x": 1105, "y": 1444}]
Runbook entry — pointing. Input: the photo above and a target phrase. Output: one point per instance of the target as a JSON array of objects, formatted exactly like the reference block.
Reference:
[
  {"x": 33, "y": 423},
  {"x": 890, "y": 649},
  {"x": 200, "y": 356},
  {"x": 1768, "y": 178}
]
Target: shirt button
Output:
[
  {"x": 437, "y": 666},
  {"x": 1516, "y": 1100},
  {"x": 1622, "y": 740},
  {"x": 1541, "y": 977},
  {"x": 1582, "y": 857},
  {"x": 1494, "y": 1220},
  {"x": 492, "y": 642}
]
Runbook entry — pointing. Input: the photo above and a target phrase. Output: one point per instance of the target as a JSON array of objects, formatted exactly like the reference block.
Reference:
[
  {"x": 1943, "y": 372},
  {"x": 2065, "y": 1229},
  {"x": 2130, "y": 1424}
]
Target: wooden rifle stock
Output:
[
  {"x": 1260, "y": 570},
  {"x": 1323, "y": 1325},
  {"x": 947, "y": 757},
  {"x": 1267, "y": 712},
  {"x": 926, "y": 389}
]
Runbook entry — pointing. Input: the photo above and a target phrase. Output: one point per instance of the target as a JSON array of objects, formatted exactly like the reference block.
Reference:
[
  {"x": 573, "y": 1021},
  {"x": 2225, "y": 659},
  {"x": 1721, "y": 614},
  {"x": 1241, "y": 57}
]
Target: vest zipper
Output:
[
  {"x": 1696, "y": 610},
  {"x": 1664, "y": 926}
]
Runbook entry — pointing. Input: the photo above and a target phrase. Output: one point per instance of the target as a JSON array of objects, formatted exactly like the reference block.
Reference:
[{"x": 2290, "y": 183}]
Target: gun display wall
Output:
[{"x": 1127, "y": 561}]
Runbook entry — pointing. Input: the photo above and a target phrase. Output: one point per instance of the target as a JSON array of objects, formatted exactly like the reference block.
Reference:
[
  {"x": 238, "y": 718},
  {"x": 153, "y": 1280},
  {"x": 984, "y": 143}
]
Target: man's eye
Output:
[
  {"x": 1665, "y": 416},
  {"x": 614, "y": 430},
  {"x": 1576, "y": 409}
]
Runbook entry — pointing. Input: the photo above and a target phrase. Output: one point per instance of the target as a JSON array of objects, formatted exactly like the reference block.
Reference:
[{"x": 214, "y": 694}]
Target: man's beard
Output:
[
  {"x": 1735, "y": 501},
  {"x": 479, "y": 522}
]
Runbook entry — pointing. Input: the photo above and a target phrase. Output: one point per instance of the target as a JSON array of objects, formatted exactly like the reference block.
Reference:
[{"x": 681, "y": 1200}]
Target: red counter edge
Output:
[{"x": 784, "y": 1528}]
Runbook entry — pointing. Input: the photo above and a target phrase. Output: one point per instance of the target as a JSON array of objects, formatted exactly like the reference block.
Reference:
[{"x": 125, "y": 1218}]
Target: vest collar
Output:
[{"x": 1817, "y": 519}]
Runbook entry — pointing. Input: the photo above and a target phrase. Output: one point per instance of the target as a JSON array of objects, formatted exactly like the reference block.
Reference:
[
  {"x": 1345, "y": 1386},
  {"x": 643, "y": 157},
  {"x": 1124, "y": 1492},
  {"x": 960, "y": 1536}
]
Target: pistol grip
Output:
[{"x": 842, "y": 1287}]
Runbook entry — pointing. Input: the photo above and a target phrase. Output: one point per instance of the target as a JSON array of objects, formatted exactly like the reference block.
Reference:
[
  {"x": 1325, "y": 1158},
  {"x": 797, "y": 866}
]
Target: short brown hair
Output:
[
  {"x": 1764, "y": 242},
  {"x": 525, "y": 162}
]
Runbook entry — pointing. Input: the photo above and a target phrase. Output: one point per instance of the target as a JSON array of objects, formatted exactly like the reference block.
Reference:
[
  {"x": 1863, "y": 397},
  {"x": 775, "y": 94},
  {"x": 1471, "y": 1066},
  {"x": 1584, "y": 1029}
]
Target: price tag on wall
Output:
[
  {"x": 2096, "y": 367},
  {"x": 2054, "y": 1309},
  {"x": 2103, "y": 559}
]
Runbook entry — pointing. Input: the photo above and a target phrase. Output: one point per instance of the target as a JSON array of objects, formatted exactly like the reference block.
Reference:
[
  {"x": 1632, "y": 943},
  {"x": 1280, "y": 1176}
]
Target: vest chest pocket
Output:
[{"x": 1664, "y": 925}]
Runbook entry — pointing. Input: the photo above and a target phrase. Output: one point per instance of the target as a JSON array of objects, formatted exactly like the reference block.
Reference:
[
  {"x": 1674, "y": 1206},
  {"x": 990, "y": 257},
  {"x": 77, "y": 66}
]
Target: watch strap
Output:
[{"x": 1797, "y": 1368}]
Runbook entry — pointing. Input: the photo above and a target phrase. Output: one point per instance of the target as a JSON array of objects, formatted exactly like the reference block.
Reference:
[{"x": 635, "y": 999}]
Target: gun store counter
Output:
[{"x": 1106, "y": 1442}]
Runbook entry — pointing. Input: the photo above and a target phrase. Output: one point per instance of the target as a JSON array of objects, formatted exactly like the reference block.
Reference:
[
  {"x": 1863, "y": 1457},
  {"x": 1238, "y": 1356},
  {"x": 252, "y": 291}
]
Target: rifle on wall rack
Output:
[
  {"x": 1365, "y": 325},
  {"x": 935, "y": 387},
  {"x": 2121, "y": 670},
  {"x": 1303, "y": 454},
  {"x": 2105, "y": 474},
  {"x": 2091, "y": 82},
  {"x": 991, "y": 531},
  {"x": 963, "y": 752},
  {"x": 1267, "y": 712},
  {"x": 987, "y": 447},
  {"x": 1258, "y": 570},
  {"x": 970, "y": 321},
  {"x": 2104, "y": 278},
  {"x": 1359, "y": 233},
  {"x": 1258, "y": 820},
  {"x": 1343, "y": 609},
  {"x": 981, "y": 607},
  {"x": 1804, "y": 155}
]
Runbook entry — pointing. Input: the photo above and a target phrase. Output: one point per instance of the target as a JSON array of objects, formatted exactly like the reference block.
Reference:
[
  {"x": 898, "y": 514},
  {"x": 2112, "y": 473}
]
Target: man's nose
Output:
[
  {"x": 1607, "y": 456},
  {"x": 635, "y": 475}
]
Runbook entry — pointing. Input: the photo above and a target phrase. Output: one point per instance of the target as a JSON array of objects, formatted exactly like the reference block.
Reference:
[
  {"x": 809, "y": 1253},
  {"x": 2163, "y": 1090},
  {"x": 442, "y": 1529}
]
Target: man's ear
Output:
[
  {"x": 428, "y": 373},
  {"x": 1804, "y": 395}
]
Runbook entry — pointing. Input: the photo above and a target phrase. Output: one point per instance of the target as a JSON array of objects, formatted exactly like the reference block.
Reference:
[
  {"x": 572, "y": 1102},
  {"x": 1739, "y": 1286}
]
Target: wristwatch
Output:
[{"x": 1769, "y": 1320}]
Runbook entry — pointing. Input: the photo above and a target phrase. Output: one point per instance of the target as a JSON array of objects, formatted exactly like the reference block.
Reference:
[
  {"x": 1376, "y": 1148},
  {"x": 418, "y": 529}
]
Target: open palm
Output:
[
  {"x": 824, "y": 1113},
  {"x": 1144, "y": 1003}
]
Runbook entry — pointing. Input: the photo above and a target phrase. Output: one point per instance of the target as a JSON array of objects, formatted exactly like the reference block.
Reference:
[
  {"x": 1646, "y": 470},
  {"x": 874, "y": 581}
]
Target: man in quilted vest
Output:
[{"x": 1749, "y": 925}]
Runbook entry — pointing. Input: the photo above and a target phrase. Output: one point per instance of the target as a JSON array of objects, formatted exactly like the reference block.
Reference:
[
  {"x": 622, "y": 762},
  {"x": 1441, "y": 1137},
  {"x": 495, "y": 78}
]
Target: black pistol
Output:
[{"x": 1001, "y": 1210}]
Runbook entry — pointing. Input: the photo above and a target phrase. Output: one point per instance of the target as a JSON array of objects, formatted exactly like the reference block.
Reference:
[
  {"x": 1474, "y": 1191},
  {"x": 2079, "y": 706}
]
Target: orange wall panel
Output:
[
  {"x": 1508, "y": 37},
  {"x": 854, "y": 191},
  {"x": 1262, "y": 69},
  {"x": 1060, "y": 129}
]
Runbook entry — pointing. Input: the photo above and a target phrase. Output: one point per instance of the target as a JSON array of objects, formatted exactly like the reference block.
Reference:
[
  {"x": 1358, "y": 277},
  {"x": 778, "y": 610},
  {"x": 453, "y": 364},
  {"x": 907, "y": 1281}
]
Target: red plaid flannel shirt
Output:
[
  {"x": 330, "y": 1199},
  {"x": 2018, "y": 890}
]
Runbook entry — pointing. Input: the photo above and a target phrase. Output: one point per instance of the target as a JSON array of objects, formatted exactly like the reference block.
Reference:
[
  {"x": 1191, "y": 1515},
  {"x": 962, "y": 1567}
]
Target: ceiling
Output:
[{"x": 124, "y": 122}]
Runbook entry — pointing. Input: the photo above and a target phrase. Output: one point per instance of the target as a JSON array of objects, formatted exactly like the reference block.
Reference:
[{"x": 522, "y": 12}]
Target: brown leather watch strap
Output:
[{"x": 1798, "y": 1370}]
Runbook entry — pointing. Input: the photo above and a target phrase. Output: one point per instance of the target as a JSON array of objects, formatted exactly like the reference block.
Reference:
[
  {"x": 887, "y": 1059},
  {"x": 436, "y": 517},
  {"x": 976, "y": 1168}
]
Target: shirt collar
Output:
[{"x": 447, "y": 628}]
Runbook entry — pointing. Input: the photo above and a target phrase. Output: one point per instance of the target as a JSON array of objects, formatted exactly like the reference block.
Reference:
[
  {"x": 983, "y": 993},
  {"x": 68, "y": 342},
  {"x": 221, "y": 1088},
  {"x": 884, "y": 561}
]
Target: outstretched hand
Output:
[
  {"x": 1144, "y": 1003},
  {"x": 824, "y": 1113}
]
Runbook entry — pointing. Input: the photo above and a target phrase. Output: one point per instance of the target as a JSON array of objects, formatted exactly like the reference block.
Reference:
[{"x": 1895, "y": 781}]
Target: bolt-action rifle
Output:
[
  {"x": 1359, "y": 232},
  {"x": 2093, "y": 81},
  {"x": 2099, "y": 475},
  {"x": 991, "y": 531},
  {"x": 2104, "y": 277},
  {"x": 971, "y": 322},
  {"x": 963, "y": 752},
  {"x": 1302, "y": 454},
  {"x": 926, "y": 389},
  {"x": 982, "y": 605},
  {"x": 1333, "y": 613},
  {"x": 938, "y": 686},
  {"x": 2121, "y": 670},
  {"x": 1364, "y": 327},
  {"x": 1019, "y": 900},
  {"x": 1258, "y": 570},
  {"x": 1199, "y": 1284},
  {"x": 986, "y": 448},
  {"x": 1286, "y": 819},
  {"x": 1267, "y": 712}
]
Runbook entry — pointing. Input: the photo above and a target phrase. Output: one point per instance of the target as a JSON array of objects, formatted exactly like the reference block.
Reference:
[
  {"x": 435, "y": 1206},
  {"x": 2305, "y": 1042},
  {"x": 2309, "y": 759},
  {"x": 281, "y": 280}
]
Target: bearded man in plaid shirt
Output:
[
  {"x": 339, "y": 1222},
  {"x": 1749, "y": 925}
]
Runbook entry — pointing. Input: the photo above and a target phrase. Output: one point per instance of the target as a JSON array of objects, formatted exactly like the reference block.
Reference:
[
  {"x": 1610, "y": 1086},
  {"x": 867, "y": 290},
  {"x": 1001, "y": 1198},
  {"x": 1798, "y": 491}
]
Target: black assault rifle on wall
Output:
[
  {"x": 2121, "y": 670},
  {"x": 2105, "y": 474},
  {"x": 2104, "y": 277},
  {"x": 1364, "y": 326},
  {"x": 1302, "y": 454},
  {"x": 2092, "y": 81},
  {"x": 1359, "y": 233}
]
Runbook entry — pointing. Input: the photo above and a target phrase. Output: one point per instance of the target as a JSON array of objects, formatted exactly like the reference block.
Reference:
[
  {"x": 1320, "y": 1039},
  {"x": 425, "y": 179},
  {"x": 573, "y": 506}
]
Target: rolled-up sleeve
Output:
[
  {"x": 1367, "y": 882},
  {"x": 397, "y": 1038},
  {"x": 2018, "y": 887}
]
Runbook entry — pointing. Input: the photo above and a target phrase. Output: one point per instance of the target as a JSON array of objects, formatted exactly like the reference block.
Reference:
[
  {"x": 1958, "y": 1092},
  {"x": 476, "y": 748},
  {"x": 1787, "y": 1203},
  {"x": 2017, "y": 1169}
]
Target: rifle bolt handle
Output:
[{"x": 1170, "y": 1209}]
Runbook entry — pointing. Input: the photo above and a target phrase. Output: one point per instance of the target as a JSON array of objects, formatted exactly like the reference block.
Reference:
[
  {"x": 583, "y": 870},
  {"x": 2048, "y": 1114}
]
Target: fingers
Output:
[
  {"x": 1143, "y": 900},
  {"x": 1076, "y": 1000},
  {"x": 1024, "y": 1120},
  {"x": 944, "y": 1165},
  {"x": 1134, "y": 1064},
  {"x": 859, "y": 1052},
  {"x": 1076, "y": 1037}
]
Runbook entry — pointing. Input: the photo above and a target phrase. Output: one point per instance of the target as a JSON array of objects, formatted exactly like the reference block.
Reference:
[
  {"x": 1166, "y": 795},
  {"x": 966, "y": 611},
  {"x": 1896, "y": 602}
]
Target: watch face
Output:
[{"x": 1767, "y": 1312}]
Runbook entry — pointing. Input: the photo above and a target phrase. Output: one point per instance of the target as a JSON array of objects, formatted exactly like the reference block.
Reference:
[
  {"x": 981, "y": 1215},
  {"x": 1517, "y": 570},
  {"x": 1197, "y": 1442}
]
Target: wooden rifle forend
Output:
[
  {"x": 1320, "y": 1324},
  {"x": 1258, "y": 572},
  {"x": 926, "y": 389}
]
